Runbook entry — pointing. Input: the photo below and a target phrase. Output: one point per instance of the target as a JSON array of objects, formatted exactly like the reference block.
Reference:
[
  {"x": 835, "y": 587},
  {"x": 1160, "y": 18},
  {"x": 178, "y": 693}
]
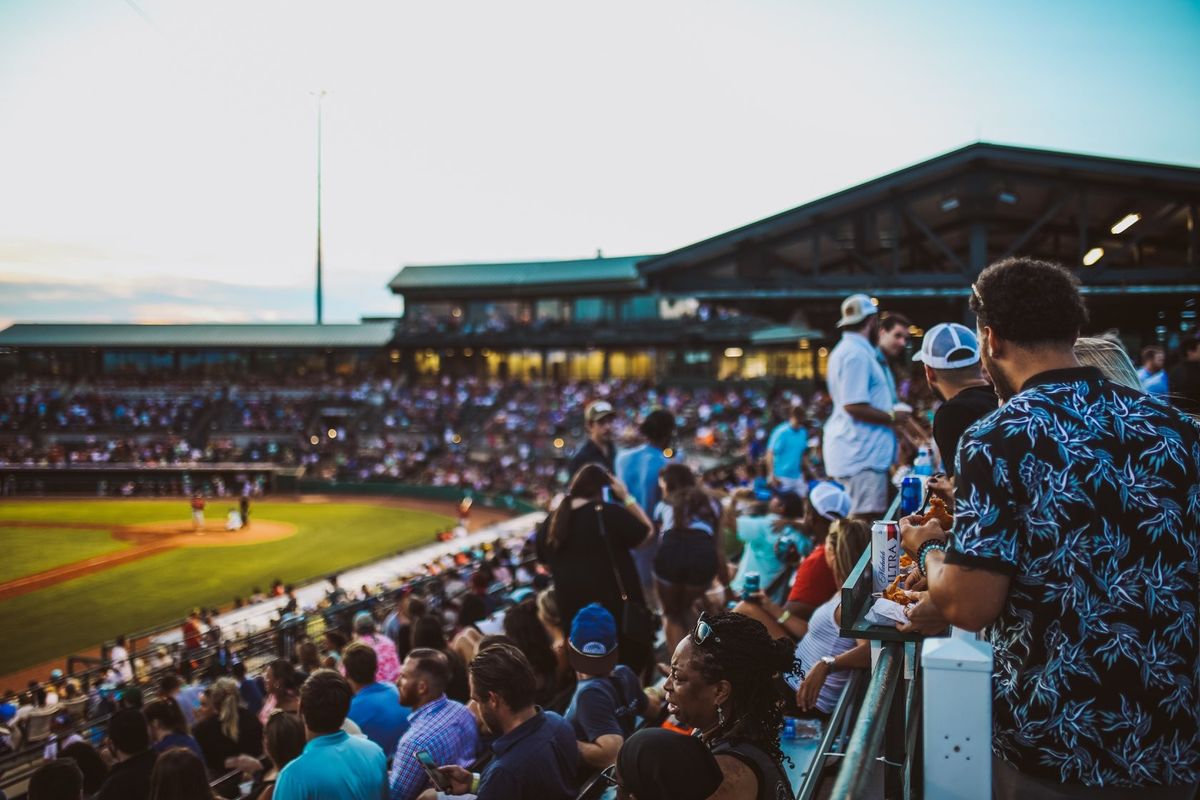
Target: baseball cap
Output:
[
  {"x": 949, "y": 345},
  {"x": 829, "y": 500},
  {"x": 855, "y": 309},
  {"x": 660, "y": 764},
  {"x": 364, "y": 622},
  {"x": 598, "y": 410},
  {"x": 593, "y": 640}
]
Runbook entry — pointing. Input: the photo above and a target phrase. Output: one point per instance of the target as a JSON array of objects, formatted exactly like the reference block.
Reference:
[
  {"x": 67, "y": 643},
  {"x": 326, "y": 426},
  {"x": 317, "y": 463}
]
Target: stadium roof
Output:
[
  {"x": 518, "y": 277},
  {"x": 366, "y": 335}
]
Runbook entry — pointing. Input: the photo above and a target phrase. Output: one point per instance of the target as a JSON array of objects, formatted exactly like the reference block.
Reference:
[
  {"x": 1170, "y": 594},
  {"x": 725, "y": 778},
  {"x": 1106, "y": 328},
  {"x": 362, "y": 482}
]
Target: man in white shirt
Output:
[{"x": 859, "y": 438}]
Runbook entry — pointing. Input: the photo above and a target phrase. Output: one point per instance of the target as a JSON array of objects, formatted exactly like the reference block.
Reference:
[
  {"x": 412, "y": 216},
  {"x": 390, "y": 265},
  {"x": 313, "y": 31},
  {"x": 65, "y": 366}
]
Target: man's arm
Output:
[
  {"x": 602, "y": 752},
  {"x": 968, "y": 597}
]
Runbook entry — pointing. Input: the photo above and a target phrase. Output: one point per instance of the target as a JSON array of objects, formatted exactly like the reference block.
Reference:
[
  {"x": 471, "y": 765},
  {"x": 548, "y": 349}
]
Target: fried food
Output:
[
  {"x": 906, "y": 561},
  {"x": 894, "y": 593},
  {"x": 937, "y": 510}
]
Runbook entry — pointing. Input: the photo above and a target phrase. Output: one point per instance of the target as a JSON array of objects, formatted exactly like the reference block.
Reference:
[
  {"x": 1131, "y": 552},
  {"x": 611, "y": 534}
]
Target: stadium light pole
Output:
[{"x": 320, "y": 103}]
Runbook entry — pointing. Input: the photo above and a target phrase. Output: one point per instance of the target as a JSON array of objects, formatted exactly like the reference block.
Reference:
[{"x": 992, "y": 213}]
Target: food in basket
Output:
[{"x": 894, "y": 593}]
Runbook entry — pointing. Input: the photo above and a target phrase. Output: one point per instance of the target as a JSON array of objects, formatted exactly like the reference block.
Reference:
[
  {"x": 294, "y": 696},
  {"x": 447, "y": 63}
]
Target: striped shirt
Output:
[
  {"x": 824, "y": 639},
  {"x": 447, "y": 730}
]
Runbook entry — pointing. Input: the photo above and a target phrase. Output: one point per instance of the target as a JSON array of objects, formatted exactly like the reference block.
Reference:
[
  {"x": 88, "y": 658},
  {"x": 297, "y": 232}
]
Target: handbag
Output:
[{"x": 638, "y": 623}]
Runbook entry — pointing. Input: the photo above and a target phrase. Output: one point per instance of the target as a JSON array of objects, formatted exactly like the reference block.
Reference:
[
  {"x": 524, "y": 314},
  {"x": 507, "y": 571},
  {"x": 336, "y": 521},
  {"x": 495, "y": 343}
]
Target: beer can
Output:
[
  {"x": 885, "y": 553},
  {"x": 912, "y": 493},
  {"x": 751, "y": 585}
]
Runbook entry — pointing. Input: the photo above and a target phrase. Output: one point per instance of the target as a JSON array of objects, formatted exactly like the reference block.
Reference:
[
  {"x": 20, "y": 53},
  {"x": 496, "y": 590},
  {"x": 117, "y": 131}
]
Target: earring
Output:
[{"x": 720, "y": 717}]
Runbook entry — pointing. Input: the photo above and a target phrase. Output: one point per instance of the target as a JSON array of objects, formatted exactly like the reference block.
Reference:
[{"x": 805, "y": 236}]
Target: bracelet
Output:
[
  {"x": 630, "y": 501},
  {"x": 474, "y": 783},
  {"x": 923, "y": 553},
  {"x": 784, "y": 617}
]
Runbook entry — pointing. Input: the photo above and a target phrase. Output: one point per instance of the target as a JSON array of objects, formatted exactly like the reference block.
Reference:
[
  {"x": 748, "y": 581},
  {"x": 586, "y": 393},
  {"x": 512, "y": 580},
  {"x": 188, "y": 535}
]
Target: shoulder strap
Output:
[{"x": 612, "y": 562}]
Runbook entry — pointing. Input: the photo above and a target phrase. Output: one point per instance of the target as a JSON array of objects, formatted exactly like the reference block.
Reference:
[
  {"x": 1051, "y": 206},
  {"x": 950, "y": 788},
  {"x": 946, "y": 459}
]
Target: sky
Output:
[{"x": 158, "y": 157}]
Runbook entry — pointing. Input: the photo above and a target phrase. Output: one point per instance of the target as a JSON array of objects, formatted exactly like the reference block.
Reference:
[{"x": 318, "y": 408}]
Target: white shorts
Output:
[
  {"x": 797, "y": 485},
  {"x": 868, "y": 492}
]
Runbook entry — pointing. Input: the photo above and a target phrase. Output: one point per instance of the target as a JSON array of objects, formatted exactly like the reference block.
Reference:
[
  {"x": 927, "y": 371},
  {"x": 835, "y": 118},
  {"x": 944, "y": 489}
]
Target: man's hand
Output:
[
  {"x": 913, "y": 533},
  {"x": 942, "y": 486},
  {"x": 458, "y": 778},
  {"x": 810, "y": 687},
  {"x": 245, "y": 764},
  {"x": 923, "y": 617}
]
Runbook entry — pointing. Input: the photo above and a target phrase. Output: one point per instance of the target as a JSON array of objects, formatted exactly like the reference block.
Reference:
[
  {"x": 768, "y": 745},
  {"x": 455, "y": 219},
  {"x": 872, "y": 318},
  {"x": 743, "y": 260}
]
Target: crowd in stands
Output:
[{"x": 656, "y": 600}]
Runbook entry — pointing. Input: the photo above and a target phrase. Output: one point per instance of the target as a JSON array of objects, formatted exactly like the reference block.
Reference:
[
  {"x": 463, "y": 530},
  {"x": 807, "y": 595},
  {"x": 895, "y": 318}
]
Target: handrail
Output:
[
  {"x": 858, "y": 766},
  {"x": 813, "y": 778}
]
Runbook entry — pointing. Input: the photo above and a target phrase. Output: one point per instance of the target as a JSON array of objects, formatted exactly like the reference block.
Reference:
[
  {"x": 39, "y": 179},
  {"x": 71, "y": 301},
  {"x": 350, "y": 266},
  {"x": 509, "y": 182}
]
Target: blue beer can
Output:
[{"x": 912, "y": 492}]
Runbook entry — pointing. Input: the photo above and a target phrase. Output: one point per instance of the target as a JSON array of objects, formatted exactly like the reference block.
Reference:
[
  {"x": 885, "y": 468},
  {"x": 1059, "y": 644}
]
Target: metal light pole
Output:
[{"x": 320, "y": 102}]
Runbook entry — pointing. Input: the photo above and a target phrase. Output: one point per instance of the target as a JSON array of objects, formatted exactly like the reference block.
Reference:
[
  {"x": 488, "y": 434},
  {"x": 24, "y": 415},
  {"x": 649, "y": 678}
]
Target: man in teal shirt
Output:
[
  {"x": 785, "y": 450},
  {"x": 334, "y": 765}
]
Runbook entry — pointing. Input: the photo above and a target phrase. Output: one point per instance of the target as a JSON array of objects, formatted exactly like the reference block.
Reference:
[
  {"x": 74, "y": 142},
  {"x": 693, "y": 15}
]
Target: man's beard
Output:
[{"x": 1000, "y": 383}]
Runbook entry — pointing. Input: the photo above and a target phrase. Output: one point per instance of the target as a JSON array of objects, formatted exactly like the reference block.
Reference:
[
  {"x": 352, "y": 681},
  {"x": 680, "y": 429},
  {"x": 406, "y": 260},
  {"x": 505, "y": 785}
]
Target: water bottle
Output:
[{"x": 923, "y": 465}]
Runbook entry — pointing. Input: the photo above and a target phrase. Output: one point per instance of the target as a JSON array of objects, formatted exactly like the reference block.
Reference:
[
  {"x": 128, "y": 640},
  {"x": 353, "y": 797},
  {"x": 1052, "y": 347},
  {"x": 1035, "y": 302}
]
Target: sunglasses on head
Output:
[
  {"x": 977, "y": 296},
  {"x": 703, "y": 631}
]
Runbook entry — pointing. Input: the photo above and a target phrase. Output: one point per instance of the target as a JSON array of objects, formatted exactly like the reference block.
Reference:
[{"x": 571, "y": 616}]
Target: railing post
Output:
[{"x": 957, "y": 710}]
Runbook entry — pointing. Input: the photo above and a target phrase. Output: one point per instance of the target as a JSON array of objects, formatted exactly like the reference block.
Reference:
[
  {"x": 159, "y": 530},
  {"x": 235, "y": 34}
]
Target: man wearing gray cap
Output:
[
  {"x": 598, "y": 419},
  {"x": 859, "y": 438}
]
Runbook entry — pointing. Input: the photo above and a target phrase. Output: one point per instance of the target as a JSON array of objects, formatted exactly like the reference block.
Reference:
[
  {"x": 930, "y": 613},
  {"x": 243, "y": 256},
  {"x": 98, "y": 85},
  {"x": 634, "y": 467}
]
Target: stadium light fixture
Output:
[
  {"x": 314, "y": 439},
  {"x": 331, "y": 433},
  {"x": 1007, "y": 197},
  {"x": 949, "y": 204},
  {"x": 875, "y": 301},
  {"x": 1126, "y": 222},
  {"x": 824, "y": 351},
  {"x": 456, "y": 439},
  {"x": 733, "y": 352},
  {"x": 669, "y": 453},
  {"x": 1092, "y": 256},
  {"x": 559, "y": 444}
]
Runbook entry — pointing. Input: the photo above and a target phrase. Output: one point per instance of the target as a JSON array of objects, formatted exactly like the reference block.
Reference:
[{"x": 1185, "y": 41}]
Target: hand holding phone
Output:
[{"x": 430, "y": 766}]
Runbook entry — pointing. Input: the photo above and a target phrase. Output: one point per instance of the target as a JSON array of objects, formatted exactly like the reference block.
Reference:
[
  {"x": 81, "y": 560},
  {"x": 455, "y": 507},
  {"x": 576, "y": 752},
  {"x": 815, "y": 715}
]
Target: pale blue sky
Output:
[{"x": 154, "y": 167}]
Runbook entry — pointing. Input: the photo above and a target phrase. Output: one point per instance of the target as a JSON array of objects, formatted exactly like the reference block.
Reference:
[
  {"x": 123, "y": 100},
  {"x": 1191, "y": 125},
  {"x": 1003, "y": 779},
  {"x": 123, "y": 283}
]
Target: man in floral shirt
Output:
[
  {"x": 388, "y": 669},
  {"x": 1077, "y": 547}
]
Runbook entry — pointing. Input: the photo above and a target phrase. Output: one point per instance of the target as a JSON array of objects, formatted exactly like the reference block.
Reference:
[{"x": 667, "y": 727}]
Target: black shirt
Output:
[
  {"x": 130, "y": 779},
  {"x": 217, "y": 746},
  {"x": 590, "y": 453},
  {"x": 1183, "y": 383},
  {"x": 956, "y": 415},
  {"x": 581, "y": 567}
]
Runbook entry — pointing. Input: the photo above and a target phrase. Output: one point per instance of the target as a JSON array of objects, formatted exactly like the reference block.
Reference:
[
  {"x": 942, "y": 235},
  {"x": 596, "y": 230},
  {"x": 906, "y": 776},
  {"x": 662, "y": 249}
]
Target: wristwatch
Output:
[{"x": 828, "y": 662}]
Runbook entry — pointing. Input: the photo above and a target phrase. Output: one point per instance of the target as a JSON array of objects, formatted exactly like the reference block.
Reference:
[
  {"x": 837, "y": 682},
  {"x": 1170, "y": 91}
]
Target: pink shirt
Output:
[{"x": 388, "y": 669}]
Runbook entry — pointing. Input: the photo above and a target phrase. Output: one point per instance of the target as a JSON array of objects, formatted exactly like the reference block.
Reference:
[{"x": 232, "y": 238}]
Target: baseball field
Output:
[{"x": 74, "y": 573}]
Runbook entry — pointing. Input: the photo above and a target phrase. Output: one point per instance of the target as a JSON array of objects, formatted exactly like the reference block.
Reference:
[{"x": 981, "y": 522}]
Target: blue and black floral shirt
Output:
[{"x": 1088, "y": 494}]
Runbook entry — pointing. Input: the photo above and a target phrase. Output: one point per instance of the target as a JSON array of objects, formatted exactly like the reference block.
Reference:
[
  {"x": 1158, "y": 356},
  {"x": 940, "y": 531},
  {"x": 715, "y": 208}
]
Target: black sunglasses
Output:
[{"x": 703, "y": 631}]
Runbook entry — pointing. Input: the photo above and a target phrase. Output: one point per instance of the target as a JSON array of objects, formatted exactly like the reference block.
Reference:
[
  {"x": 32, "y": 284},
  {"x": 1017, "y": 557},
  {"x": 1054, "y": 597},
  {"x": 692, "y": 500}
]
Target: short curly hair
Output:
[{"x": 1029, "y": 302}]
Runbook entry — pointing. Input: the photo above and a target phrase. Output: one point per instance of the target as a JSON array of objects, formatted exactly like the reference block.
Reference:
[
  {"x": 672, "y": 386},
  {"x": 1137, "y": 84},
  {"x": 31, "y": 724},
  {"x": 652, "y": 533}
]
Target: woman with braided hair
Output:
[{"x": 722, "y": 683}]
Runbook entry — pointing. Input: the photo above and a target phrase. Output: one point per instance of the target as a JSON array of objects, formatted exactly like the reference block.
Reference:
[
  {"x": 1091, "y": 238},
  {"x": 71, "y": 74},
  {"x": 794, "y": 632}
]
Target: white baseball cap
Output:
[
  {"x": 829, "y": 500},
  {"x": 855, "y": 309},
  {"x": 949, "y": 345}
]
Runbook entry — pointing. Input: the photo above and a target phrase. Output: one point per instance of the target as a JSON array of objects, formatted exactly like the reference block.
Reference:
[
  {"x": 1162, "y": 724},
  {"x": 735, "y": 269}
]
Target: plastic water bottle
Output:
[{"x": 923, "y": 464}]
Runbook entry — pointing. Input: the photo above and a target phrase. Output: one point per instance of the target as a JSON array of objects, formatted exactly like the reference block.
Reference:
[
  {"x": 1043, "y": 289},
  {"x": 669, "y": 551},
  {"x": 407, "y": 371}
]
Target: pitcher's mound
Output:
[{"x": 181, "y": 534}]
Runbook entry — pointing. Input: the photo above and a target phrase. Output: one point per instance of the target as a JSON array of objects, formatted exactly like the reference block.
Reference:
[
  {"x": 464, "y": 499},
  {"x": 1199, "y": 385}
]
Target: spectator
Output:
[
  {"x": 950, "y": 353},
  {"x": 638, "y": 469},
  {"x": 893, "y": 339},
  {"x": 179, "y": 775},
  {"x": 398, "y": 625},
  {"x": 658, "y": 764},
  {"x": 584, "y": 560},
  {"x": 825, "y": 656},
  {"x": 252, "y": 697},
  {"x": 608, "y": 697},
  {"x": 1053, "y": 490},
  {"x": 1110, "y": 358},
  {"x": 122, "y": 667},
  {"x": 525, "y": 629},
  {"x": 428, "y": 634},
  {"x": 94, "y": 770},
  {"x": 129, "y": 742},
  {"x": 598, "y": 419},
  {"x": 859, "y": 440},
  {"x": 168, "y": 728},
  {"x": 283, "y": 688},
  {"x": 308, "y": 656},
  {"x": 60, "y": 779},
  {"x": 815, "y": 580},
  {"x": 376, "y": 707},
  {"x": 334, "y": 765},
  {"x": 691, "y": 553},
  {"x": 228, "y": 730},
  {"x": 721, "y": 683},
  {"x": 785, "y": 453},
  {"x": 443, "y": 727},
  {"x": 535, "y": 750},
  {"x": 385, "y": 650},
  {"x": 760, "y": 535},
  {"x": 283, "y": 741},
  {"x": 334, "y": 642},
  {"x": 1184, "y": 378},
  {"x": 1151, "y": 374}
]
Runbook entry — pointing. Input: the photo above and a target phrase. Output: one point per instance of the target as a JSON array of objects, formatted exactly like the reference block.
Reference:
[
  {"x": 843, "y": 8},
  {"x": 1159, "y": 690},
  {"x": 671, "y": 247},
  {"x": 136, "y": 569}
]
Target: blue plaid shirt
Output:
[{"x": 447, "y": 730}]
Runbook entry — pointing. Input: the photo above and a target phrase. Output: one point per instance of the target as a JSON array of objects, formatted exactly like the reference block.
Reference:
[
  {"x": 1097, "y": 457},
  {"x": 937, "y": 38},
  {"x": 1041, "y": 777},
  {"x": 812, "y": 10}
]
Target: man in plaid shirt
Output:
[{"x": 442, "y": 726}]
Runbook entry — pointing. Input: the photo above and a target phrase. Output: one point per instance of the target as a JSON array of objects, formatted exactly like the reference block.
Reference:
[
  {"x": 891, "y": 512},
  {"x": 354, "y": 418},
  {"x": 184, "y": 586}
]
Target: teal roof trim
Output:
[
  {"x": 366, "y": 335},
  {"x": 622, "y": 269}
]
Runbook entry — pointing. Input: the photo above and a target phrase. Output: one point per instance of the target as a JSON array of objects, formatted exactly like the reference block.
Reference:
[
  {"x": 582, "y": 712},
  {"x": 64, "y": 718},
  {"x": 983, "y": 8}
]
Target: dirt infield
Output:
[{"x": 146, "y": 540}]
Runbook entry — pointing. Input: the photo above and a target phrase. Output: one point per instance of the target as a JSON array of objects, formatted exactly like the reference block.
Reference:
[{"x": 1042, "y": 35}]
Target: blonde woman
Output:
[
  {"x": 229, "y": 730},
  {"x": 1110, "y": 358}
]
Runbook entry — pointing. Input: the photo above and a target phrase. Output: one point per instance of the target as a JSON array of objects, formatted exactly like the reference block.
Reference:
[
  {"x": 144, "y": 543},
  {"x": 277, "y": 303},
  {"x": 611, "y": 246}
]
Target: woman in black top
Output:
[
  {"x": 229, "y": 729},
  {"x": 569, "y": 542},
  {"x": 722, "y": 682}
]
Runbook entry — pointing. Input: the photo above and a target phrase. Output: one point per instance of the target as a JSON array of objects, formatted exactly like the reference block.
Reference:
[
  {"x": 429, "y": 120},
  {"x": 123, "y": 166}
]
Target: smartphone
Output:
[{"x": 431, "y": 769}]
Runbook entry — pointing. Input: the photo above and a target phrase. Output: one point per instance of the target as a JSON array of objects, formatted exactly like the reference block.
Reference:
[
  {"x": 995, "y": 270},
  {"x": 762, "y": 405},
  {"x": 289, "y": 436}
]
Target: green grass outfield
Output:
[
  {"x": 79, "y": 614},
  {"x": 24, "y": 551}
]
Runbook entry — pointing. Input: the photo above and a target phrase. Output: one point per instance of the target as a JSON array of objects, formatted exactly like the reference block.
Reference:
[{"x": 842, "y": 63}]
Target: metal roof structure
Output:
[
  {"x": 518, "y": 278},
  {"x": 928, "y": 229},
  {"x": 214, "y": 336}
]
